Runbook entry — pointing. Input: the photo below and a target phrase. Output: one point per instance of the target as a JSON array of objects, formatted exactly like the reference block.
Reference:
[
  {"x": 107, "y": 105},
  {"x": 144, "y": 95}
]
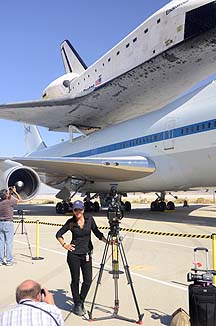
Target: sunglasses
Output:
[{"x": 78, "y": 209}]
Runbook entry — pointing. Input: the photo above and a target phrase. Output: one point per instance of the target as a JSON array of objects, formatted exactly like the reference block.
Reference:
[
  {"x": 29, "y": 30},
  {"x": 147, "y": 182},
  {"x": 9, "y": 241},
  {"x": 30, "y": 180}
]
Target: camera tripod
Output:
[
  {"x": 114, "y": 239},
  {"x": 23, "y": 229}
]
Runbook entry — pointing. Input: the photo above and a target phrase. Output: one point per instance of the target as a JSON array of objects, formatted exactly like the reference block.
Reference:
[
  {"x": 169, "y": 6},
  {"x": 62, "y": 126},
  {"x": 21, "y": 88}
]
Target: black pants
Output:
[{"x": 75, "y": 263}]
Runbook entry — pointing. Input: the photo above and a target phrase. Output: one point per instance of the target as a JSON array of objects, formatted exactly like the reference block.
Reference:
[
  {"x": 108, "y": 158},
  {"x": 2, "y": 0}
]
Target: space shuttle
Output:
[{"x": 141, "y": 76}]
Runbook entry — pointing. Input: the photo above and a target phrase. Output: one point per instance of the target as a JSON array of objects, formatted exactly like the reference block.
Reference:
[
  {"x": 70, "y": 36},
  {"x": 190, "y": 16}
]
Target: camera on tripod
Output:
[
  {"x": 115, "y": 212},
  {"x": 20, "y": 213}
]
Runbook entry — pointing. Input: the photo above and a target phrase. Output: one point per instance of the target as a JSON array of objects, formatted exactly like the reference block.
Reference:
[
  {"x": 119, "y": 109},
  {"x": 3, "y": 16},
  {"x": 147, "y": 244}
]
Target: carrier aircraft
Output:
[{"x": 134, "y": 132}]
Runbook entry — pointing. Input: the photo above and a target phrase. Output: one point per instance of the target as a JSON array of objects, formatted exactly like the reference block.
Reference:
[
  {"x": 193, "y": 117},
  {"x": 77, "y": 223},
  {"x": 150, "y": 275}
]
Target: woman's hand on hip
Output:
[{"x": 69, "y": 247}]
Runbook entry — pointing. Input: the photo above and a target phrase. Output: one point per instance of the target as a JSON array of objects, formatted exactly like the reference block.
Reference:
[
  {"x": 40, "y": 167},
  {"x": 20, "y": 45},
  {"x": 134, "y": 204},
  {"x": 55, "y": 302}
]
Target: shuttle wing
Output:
[
  {"x": 148, "y": 69},
  {"x": 141, "y": 90},
  {"x": 92, "y": 169},
  {"x": 108, "y": 104}
]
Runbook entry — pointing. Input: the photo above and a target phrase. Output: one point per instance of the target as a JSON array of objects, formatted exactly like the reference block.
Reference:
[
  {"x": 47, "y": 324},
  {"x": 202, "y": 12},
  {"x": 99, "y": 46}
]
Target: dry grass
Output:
[{"x": 138, "y": 198}]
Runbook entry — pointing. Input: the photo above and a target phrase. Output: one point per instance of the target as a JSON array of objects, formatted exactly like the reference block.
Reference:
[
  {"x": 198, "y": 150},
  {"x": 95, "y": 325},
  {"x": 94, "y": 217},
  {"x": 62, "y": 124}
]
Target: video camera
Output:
[
  {"x": 201, "y": 276},
  {"x": 115, "y": 212}
]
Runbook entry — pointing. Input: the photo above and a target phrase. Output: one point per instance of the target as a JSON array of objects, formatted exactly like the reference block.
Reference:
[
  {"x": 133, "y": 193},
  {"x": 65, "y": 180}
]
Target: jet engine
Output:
[{"x": 25, "y": 179}]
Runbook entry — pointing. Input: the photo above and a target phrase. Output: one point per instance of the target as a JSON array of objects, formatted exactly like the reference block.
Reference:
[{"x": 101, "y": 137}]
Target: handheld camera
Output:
[{"x": 201, "y": 276}]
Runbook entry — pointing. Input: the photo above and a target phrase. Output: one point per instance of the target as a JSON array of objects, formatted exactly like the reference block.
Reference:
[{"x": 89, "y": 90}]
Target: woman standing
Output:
[{"x": 79, "y": 252}]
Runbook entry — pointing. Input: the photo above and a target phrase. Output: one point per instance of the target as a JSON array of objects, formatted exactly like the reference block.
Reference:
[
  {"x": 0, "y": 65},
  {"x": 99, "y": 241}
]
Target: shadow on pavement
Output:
[
  {"x": 62, "y": 300},
  {"x": 159, "y": 315}
]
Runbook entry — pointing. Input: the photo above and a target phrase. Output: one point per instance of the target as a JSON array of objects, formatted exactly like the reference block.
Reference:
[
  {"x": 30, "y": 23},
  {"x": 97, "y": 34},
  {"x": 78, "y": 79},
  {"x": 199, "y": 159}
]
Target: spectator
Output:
[
  {"x": 7, "y": 203},
  {"x": 30, "y": 311}
]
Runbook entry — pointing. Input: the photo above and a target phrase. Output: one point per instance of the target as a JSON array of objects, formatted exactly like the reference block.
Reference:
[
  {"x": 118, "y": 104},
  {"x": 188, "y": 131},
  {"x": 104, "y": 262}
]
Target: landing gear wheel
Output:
[
  {"x": 127, "y": 206},
  {"x": 162, "y": 206},
  {"x": 154, "y": 206},
  {"x": 65, "y": 208},
  {"x": 96, "y": 206},
  {"x": 158, "y": 206},
  {"x": 170, "y": 206},
  {"x": 62, "y": 208},
  {"x": 59, "y": 208},
  {"x": 88, "y": 206}
]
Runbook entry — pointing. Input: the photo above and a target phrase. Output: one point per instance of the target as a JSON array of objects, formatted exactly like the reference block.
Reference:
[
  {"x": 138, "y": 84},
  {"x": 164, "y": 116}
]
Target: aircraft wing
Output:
[{"x": 95, "y": 169}]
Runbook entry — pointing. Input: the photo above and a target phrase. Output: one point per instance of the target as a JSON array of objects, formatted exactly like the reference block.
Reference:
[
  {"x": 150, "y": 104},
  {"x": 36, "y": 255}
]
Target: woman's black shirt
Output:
[{"x": 81, "y": 237}]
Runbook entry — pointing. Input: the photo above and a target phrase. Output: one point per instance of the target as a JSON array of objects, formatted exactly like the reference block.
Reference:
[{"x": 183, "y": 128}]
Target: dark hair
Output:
[
  {"x": 3, "y": 193},
  {"x": 30, "y": 293}
]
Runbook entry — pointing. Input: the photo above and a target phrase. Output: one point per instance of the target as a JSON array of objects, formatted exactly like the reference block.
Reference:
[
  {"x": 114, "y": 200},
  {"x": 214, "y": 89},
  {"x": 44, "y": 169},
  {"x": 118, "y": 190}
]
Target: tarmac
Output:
[{"x": 158, "y": 264}]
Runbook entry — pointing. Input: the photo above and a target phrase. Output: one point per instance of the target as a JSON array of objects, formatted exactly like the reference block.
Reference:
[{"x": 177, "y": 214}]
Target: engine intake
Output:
[{"x": 25, "y": 179}]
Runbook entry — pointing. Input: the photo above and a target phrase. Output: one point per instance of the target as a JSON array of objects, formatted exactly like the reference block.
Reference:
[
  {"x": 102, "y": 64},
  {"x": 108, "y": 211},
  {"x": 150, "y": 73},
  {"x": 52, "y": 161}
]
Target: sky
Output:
[{"x": 31, "y": 34}]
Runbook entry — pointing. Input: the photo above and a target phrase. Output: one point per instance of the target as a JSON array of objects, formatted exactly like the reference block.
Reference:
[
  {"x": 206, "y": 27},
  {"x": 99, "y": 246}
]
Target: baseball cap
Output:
[{"x": 78, "y": 204}]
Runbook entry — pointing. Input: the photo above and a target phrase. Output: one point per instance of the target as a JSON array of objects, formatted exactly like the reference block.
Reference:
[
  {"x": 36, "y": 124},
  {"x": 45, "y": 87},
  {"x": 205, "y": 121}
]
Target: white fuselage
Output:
[
  {"x": 180, "y": 139},
  {"x": 161, "y": 31},
  {"x": 161, "y": 59}
]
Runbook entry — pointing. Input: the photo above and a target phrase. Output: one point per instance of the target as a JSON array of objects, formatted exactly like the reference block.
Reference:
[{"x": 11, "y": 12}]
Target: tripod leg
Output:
[
  {"x": 100, "y": 274},
  {"x": 128, "y": 275},
  {"x": 115, "y": 271},
  {"x": 22, "y": 224},
  {"x": 17, "y": 228}
]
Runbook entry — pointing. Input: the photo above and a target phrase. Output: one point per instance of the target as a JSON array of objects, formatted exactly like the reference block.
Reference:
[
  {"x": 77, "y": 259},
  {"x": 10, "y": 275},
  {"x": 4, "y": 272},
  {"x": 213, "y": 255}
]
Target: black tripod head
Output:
[
  {"x": 20, "y": 213},
  {"x": 115, "y": 212}
]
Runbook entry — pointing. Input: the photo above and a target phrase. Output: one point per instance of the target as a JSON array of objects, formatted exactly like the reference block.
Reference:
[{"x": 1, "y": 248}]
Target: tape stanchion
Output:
[
  {"x": 37, "y": 257},
  {"x": 214, "y": 255}
]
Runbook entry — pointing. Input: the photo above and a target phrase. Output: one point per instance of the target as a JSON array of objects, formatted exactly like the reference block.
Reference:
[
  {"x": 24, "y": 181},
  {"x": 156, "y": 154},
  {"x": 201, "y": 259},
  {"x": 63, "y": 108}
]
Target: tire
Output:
[
  {"x": 162, "y": 206},
  {"x": 154, "y": 206},
  {"x": 170, "y": 206},
  {"x": 127, "y": 206},
  {"x": 59, "y": 208},
  {"x": 96, "y": 206},
  {"x": 65, "y": 208}
]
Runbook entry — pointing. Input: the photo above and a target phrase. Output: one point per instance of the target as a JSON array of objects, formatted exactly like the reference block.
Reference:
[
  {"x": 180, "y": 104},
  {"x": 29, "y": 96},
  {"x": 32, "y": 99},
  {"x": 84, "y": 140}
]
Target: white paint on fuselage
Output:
[
  {"x": 190, "y": 161},
  {"x": 163, "y": 30}
]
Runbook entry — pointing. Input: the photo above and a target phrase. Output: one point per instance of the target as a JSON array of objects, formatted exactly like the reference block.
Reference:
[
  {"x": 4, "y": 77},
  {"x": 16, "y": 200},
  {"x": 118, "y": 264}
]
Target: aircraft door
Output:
[{"x": 168, "y": 139}]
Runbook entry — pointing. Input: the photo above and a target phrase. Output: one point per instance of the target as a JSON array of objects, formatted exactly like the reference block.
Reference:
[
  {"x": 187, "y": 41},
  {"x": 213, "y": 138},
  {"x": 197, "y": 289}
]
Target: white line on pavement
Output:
[{"x": 135, "y": 274}]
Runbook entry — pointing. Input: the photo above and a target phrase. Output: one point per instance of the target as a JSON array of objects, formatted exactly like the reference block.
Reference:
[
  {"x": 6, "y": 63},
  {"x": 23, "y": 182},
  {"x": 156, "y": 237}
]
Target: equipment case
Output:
[{"x": 202, "y": 297}]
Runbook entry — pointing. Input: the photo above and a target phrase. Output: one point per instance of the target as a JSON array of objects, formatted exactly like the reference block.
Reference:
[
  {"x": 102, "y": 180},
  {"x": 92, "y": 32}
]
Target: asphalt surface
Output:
[{"x": 158, "y": 264}]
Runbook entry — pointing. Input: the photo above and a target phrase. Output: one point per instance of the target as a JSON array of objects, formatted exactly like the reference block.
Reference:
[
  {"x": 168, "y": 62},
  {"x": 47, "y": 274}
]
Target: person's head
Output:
[
  {"x": 4, "y": 194},
  {"x": 78, "y": 208},
  {"x": 28, "y": 289}
]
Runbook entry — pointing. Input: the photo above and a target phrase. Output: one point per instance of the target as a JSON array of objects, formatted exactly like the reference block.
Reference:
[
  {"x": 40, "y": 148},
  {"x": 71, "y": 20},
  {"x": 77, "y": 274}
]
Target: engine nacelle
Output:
[{"x": 25, "y": 179}]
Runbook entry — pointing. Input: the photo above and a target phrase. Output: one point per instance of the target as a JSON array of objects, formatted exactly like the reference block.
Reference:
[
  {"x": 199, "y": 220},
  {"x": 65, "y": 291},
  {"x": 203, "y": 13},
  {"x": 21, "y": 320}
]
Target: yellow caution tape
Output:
[{"x": 167, "y": 234}]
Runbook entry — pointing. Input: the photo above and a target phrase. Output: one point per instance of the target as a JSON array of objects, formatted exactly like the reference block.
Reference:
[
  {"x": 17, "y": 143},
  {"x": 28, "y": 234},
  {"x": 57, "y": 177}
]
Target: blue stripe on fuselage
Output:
[{"x": 152, "y": 138}]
